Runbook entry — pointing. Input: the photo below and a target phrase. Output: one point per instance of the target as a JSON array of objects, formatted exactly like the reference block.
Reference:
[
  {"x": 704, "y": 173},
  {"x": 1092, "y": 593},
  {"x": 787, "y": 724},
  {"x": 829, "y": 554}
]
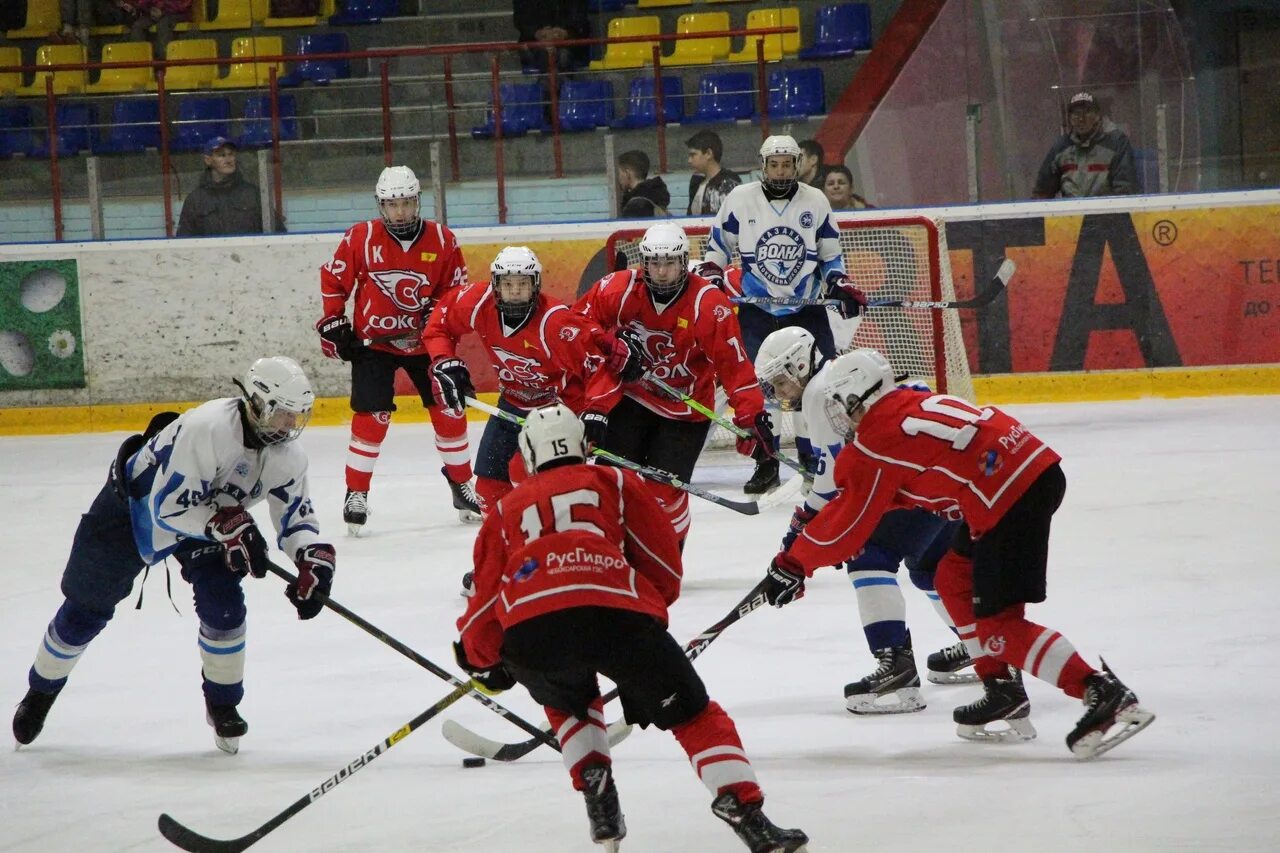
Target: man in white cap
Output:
[{"x": 1093, "y": 158}]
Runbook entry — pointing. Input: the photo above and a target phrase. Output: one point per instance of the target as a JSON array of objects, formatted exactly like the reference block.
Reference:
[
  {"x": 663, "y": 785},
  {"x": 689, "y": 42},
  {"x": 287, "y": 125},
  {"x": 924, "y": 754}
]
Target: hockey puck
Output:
[{"x": 473, "y": 762}]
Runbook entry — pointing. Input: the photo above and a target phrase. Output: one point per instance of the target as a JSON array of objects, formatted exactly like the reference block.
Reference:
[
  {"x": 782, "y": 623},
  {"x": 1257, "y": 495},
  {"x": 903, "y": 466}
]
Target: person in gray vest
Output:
[
  {"x": 1093, "y": 159},
  {"x": 223, "y": 202}
]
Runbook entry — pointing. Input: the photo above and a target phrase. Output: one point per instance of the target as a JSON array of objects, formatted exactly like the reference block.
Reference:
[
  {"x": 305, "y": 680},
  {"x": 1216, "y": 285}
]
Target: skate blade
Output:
[
  {"x": 1018, "y": 731},
  {"x": 229, "y": 745},
  {"x": 1131, "y": 720},
  {"x": 612, "y": 845},
  {"x": 467, "y": 516},
  {"x": 353, "y": 530},
  {"x": 902, "y": 701},
  {"x": 953, "y": 677}
]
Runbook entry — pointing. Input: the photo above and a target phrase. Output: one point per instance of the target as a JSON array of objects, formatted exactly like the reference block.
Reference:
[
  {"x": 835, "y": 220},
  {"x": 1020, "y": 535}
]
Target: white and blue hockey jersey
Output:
[
  {"x": 788, "y": 247},
  {"x": 199, "y": 464}
]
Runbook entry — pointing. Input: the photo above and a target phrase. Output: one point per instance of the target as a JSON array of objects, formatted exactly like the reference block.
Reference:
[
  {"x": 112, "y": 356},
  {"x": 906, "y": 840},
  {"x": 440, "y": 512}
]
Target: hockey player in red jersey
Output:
[
  {"x": 575, "y": 569},
  {"x": 911, "y": 448},
  {"x": 688, "y": 333},
  {"x": 393, "y": 270}
]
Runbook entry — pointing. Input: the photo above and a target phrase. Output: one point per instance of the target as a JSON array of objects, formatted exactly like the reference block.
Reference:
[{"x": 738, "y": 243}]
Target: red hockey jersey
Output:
[
  {"x": 553, "y": 357},
  {"x": 573, "y": 536},
  {"x": 920, "y": 449},
  {"x": 395, "y": 284},
  {"x": 689, "y": 344}
]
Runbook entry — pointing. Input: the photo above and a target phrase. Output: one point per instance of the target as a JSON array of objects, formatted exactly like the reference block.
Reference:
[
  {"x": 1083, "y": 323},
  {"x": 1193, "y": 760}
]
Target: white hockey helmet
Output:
[
  {"x": 278, "y": 399},
  {"x": 516, "y": 260},
  {"x": 775, "y": 146},
  {"x": 552, "y": 434},
  {"x": 784, "y": 365},
  {"x": 397, "y": 182},
  {"x": 855, "y": 381},
  {"x": 665, "y": 241}
]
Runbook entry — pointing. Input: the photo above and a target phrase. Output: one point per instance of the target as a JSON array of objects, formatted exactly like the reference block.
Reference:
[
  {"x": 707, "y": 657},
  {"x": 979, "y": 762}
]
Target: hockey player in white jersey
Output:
[
  {"x": 784, "y": 232},
  {"x": 182, "y": 489},
  {"x": 793, "y": 375}
]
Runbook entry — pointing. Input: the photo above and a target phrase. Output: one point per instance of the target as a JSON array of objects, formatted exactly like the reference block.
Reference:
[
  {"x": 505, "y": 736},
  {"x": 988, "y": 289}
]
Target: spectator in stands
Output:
[
  {"x": 812, "y": 172},
  {"x": 710, "y": 182},
  {"x": 97, "y": 13},
  {"x": 642, "y": 197},
  {"x": 224, "y": 202},
  {"x": 552, "y": 20},
  {"x": 838, "y": 187},
  {"x": 1093, "y": 158},
  {"x": 164, "y": 15}
]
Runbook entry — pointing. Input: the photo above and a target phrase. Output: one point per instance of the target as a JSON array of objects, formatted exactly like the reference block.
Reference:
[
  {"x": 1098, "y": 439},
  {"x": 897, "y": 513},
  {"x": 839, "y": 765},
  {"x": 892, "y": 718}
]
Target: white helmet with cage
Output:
[
  {"x": 665, "y": 241},
  {"x": 399, "y": 182},
  {"x": 855, "y": 381},
  {"x": 516, "y": 260},
  {"x": 278, "y": 399},
  {"x": 552, "y": 434},
  {"x": 784, "y": 365},
  {"x": 775, "y": 146}
]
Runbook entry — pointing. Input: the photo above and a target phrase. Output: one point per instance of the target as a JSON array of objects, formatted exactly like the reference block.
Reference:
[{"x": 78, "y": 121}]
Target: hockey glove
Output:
[
  {"x": 595, "y": 426},
  {"x": 801, "y": 517},
  {"x": 624, "y": 357},
  {"x": 337, "y": 338},
  {"x": 245, "y": 551},
  {"x": 784, "y": 582},
  {"x": 451, "y": 382},
  {"x": 841, "y": 287},
  {"x": 711, "y": 271},
  {"x": 759, "y": 443},
  {"x": 490, "y": 680},
  {"x": 316, "y": 565}
]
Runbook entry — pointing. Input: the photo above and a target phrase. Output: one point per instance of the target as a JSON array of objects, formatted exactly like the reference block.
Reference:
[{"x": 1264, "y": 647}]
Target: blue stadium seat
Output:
[
  {"x": 319, "y": 71},
  {"x": 725, "y": 96},
  {"x": 840, "y": 30},
  {"x": 797, "y": 93},
  {"x": 365, "y": 12},
  {"x": 642, "y": 106},
  {"x": 77, "y": 131},
  {"x": 605, "y": 5},
  {"x": 522, "y": 111},
  {"x": 585, "y": 104},
  {"x": 257, "y": 120},
  {"x": 200, "y": 119},
  {"x": 16, "y": 136},
  {"x": 135, "y": 126}
]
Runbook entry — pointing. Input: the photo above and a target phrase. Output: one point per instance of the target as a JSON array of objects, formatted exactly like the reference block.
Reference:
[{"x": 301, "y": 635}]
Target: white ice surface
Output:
[{"x": 1164, "y": 560}]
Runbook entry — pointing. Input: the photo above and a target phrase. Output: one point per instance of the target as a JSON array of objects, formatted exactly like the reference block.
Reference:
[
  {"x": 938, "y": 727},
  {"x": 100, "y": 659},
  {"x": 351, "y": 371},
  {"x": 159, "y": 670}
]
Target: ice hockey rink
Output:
[{"x": 1164, "y": 560}]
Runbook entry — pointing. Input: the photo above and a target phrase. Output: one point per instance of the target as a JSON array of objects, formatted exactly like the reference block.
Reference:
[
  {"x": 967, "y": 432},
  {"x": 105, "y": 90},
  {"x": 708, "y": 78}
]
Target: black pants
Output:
[
  {"x": 373, "y": 379},
  {"x": 648, "y": 438},
  {"x": 757, "y": 324}
]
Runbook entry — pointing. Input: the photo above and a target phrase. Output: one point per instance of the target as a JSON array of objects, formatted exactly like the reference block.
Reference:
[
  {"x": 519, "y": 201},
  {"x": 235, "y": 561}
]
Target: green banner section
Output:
[{"x": 40, "y": 339}]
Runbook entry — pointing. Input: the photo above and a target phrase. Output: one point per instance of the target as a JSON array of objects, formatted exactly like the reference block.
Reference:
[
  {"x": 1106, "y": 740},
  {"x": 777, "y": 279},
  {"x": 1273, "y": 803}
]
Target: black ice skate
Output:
[
  {"x": 757, "y": 831},
  {"x": 946, "y": 666},
  {"x": 464, "y": 499},
  {"x": 1108, "y": 703},
  {"x": 1003, "y": 699},
  {"x": 765, "y": 479},
  {"x": 28, "y": 720},
  {"x": 228, "y": 726},
  {"x": 355, "y": 511},
  {"x": 608, "y": 827},
  {"x": 894, "y": 688},
  {"x": 468, "y": 585}
]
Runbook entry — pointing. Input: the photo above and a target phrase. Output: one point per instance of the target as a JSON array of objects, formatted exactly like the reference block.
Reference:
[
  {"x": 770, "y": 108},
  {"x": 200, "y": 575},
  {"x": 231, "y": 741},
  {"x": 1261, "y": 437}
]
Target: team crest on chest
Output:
[
  {"x": 519, "y": 368},
  {"x": 780, "y": 255},
  {"x": 409, "y": 290},
  {"x": 806, "y": 220}
]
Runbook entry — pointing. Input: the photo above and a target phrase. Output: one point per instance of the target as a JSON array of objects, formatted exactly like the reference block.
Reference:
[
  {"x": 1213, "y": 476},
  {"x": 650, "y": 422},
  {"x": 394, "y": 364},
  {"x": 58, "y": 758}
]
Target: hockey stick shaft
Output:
[
  {"x": 193, "y": 841},
  {"x": 439, "y": 672},
  {"x": 993, "y": 289}
]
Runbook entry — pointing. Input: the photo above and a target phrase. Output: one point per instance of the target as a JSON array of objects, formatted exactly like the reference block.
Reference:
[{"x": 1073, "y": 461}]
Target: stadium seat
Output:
[
  {"x": 111, "y": 80},
  {"x": 629, "y": 54},
  {"x": 725, "y": 96},
  {"x": 232, "y": 15},
  {"x": 797, "y": 93},
  {"x": 319, "y": 71},
  {"x": 840, "y": 30},
  {"x": 76, "y": 130},
  {"x": 585, "y": 104},
  {"x": 43, "y": 17},
  {"x": 605, "y": 5},
  {"x": 10, "y": 81},
  {"x": 201, "y": 118},
  {"x": 364, "y": 12},
  {"x": 654, "y": 4},
  {"x": 642, "y": 106},
  {"x": 522, "y": 106},
  {"x": 64, "y": 82},
  {"x": 324, "y": 9},
  {"x": 191, "y": 76},
  {"x": 135, "y": 127},
  {"x": 16, "y": 135},
  {"x": 248, "y": 74},
  {"x": 700, "y": 51},
  {"x": 777, "y": 46},
  {"x": 257, "y": 120}
]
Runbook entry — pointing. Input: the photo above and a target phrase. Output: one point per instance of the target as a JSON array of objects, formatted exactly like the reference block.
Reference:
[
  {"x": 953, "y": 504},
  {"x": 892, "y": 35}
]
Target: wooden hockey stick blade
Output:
[
  {"x": 994, "y": 288},
  {"x": 477, "y": 744}
]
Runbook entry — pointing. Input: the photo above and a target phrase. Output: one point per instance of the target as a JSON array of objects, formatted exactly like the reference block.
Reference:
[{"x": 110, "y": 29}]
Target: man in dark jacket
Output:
[
  {"x": 710, "y": 182},
  {"x": 1093, "y": 159},
  {"x": 642, "y": 197},
  {"x": 224, "y": 202}
]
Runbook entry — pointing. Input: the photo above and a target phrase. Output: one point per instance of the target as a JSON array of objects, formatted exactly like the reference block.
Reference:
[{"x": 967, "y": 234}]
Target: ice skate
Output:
[
  {"x": 765, "y": 479},
  {"x": 464, "y": 499},
  {"x": 894, "y": 688},
  {"x": 28, "y": 720},
  {"x": 355, "y": 511},
  {"x": 228, "y": 726},
  {"x": 946, "y": 666},
  {"x": 757, "y": 831},
  {"x": 608, "y": 826},
  {"x": 1108, "y": 703},
  {"x": 1003, "y": 699},
  {"x": 468, "y": 585}
]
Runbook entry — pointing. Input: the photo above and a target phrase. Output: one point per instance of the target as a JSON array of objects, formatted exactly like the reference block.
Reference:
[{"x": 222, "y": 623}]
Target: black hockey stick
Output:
[
  {"x": 435, "y": 670},
  {"x": 993, "y": 289},
  {"x": 647, "y": 471},
  {"x": 469, "y": 741},
  {"x": 193, "y": 841}
]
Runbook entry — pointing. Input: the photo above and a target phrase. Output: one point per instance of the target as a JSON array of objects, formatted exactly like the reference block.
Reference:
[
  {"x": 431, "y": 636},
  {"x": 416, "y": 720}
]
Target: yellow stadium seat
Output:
[
  {"x": 111, "y": 30},
  {"x": 248, "y": 74},
  {"x": 775, "y": 47},
  {"x": 326, "y": 8},
  {"x": 43, "y": 17},
  {"x": 653, "y": 4},
  {"x": 630, "y": 54},
  {"x": 232, "y": 15},
  {"x": 10, "y": 81},
  {"x": 260, "y": 10},
  {"x": 64, "y": 82},
  {"x": 191, "y": 76},
  {"x": 700, "y": 51},
  {"x": 125, "y": 79}
]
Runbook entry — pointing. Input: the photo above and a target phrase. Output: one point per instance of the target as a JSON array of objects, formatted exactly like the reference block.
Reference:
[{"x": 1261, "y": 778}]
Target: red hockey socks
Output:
[
  {"x": 582, "y": 742},
  {"x": 711, "y": 741},
  {"x": 489, "y": 491},
  {"x": 451, "y": 443},
  {"x": 368, "y": 429},
  {"x": 1034, "y": 649}
]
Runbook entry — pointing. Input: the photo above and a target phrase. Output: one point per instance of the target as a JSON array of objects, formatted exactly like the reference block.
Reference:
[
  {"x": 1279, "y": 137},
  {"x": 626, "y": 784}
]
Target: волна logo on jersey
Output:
[
  {"x": 407, "y": 289},
  {"x": 780, "y": 255}
]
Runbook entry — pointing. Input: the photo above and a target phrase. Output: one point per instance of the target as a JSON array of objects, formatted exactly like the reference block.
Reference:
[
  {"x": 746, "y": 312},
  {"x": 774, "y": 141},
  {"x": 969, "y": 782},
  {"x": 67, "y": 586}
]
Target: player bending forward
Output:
[
  {"x": 574, "y": 572},
  {"x": 915, "y": 448},
  {"x": 794, "y": 375},
  {"x": 182, "y": 488}
]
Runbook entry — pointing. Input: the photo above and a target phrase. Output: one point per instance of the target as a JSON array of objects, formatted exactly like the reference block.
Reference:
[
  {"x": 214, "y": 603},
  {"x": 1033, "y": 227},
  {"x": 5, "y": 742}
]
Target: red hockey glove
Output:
[
  {"x": 624, "y": 357},
  {"x": 841, "y": 287},
  {"x": 245, "y": 549},
  {"x": 451, "y": 384},
  {"x": 784, "y": 582},
  {"x": 490, "y": 680},
  {"x": 711, "y": 271},
  {"x": 337, "y": 339},
  {"x": 759, "y": 442},
  {"x": 316, "y": 565}
]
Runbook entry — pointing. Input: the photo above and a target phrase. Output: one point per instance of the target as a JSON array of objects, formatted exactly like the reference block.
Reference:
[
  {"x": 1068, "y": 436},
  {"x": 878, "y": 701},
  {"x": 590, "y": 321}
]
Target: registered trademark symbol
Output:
[{"x": 1165, "y": 232}]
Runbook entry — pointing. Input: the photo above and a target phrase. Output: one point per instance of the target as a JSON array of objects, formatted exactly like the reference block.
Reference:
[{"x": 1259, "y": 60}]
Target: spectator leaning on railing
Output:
[{"x": 1092, "y": 159}]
